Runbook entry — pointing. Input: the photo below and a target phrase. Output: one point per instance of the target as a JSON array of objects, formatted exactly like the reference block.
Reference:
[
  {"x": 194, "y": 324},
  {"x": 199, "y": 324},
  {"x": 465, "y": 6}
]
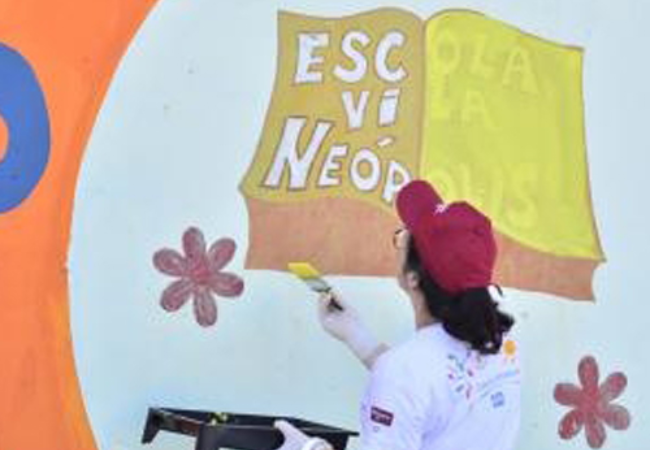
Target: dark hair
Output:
[{"x": 471, "y": 316}]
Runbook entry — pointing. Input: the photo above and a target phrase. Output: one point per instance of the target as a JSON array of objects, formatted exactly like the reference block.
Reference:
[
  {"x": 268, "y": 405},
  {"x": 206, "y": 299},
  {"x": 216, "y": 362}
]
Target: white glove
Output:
[
  {"x": 294, "y": 439},
  {"x": 346, "y": 325}
]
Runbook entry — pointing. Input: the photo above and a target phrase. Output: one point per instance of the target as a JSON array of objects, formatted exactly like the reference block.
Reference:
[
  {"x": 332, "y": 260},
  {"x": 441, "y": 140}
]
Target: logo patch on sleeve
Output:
[{"x": 381, "y": 416}]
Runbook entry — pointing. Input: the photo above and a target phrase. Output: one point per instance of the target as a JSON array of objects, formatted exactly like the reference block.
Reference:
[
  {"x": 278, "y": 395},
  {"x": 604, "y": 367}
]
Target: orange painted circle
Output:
[{"x": 4, "y": 138}]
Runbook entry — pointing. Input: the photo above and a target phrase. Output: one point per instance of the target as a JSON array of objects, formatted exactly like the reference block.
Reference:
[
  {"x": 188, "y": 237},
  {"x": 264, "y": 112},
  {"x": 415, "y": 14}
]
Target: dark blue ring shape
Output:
[{"x": 23, "y": 108}]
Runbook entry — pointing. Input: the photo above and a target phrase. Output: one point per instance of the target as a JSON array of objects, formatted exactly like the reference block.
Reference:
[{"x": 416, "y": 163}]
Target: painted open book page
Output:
[
  {"x": 503, "y": 128},
  {"x": 342, "y": 135}
]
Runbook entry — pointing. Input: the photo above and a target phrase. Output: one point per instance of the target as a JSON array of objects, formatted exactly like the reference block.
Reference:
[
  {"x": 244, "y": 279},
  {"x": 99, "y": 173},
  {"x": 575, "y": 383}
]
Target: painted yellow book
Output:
[{"x": 486, "y": 112}]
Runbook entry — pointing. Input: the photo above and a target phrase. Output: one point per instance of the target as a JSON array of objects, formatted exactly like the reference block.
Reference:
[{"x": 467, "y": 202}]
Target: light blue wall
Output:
[{"x": 174, "y": 138}]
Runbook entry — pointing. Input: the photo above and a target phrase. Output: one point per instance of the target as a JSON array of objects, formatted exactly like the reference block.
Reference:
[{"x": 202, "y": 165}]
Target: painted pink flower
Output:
[
  {"x": 592, "y": 407},
  {"x": 200, "y": 275}
]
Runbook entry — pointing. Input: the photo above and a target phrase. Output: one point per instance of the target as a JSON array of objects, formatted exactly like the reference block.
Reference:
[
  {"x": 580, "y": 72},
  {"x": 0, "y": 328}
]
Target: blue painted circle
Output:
[{"x": 23, "y": 108}]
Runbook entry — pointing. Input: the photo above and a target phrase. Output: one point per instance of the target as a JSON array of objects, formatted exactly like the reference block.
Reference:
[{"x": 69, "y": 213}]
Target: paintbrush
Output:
[{"x": 310, "y": 275}]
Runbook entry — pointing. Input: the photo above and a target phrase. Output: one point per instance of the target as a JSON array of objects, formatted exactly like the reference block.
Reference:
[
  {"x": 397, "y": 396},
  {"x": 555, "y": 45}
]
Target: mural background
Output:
[{"x": 176, "y": 132}]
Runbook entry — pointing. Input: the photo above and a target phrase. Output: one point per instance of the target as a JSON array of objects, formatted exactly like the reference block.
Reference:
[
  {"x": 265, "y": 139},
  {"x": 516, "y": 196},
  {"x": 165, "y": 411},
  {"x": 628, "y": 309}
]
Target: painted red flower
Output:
[
  {"x": 592, "y": 407},
  {"x": 200, "y": 275}
]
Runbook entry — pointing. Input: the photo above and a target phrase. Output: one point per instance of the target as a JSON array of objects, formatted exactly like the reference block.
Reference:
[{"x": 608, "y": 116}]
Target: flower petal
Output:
[
  {"x": 226, "y": 284},
  {"x": 571, "y": 424},
  {"x": 612, "y": 387},
  {"x": 588, "y": 373},
  {"x": 615, "y": 416},
  {"x": 595, "y": 430},
  {"x": 176, "y": 294},
  {"x": 193, "y": 244},
  {"x": 568, "y": 394},
  {"x": 205, "y": 308},
  {"x": 220, "y": 253},
  {"x": 170, "y": 262}
]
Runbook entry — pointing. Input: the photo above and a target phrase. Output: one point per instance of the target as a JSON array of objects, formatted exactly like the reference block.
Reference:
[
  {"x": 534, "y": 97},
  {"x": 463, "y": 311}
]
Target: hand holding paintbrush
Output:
[{"x": 338, "y": 318}]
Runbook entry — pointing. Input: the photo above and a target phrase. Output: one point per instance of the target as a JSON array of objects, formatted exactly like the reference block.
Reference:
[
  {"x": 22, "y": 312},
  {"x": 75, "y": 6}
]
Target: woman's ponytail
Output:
[
  {"x": 474, "y": 317},
  {"x": 471, "y": 316}
]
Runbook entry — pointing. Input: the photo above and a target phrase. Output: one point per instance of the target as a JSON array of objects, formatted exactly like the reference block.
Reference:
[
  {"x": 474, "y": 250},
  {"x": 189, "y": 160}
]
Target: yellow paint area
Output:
[
  {"x": 503, "y": 127},
  {"x": 303, "y": 270}
]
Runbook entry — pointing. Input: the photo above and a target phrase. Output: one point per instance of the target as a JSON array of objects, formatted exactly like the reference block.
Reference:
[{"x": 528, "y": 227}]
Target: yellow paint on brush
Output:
[
  {"x": 310, "y": 275},
  {"x": 303, "y": 270}
]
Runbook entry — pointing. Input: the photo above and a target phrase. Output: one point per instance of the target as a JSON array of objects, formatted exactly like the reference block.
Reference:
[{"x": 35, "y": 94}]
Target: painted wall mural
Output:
[
  {"x": 362, "y": 104},
  {"x": 156, "y": 275},
  {"x": 56, "y": 61}
]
